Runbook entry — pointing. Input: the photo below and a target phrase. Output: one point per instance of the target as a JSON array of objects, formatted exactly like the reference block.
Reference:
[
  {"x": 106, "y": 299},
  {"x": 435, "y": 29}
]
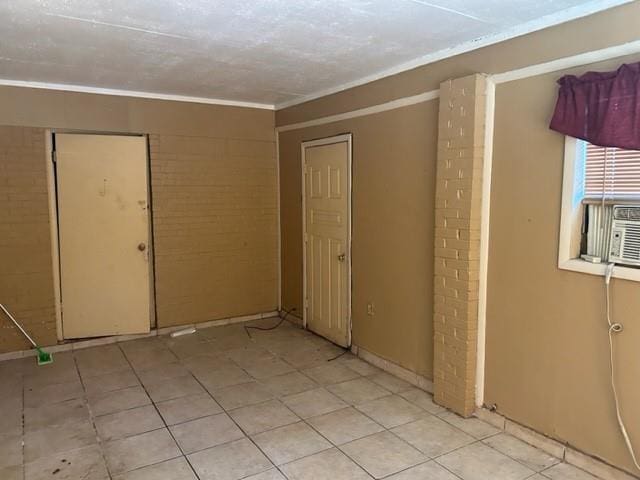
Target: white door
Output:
[
  {"x": 104, "y": 234},
  {"x": 327, "y": 237}
]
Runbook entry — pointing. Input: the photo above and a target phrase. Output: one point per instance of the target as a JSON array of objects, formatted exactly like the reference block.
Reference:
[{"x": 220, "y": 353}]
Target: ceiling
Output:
[{"x": 266, "y": 52}]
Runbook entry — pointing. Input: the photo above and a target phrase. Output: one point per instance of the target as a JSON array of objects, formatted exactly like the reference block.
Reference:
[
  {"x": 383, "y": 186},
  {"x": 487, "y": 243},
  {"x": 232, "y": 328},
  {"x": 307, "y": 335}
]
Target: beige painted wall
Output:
[
  {"x": 26, "y": 270},
  {"x": 394, "y": 161},
  {"x": 547, "y": 350},
  {"x": 213, "y": 177},
  {"x": 215, "y": 227}
]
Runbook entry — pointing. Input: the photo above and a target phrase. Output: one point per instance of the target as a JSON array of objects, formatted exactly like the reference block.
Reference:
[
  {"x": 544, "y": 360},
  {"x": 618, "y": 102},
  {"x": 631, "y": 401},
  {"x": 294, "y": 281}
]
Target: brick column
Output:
[{"x": 461, "y": 130}]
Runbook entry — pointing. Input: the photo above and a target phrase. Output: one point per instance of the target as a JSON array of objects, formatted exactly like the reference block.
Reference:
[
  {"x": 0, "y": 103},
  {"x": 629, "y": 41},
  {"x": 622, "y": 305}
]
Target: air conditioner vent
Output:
[
  {"x": 627, "y": 213},
  {"x": 624, "y": 245}
]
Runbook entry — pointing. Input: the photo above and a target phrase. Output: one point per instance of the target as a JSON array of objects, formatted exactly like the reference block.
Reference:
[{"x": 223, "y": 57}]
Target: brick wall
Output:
[
  {"x": 214, "y": 206},
  {"x": 26, "y": 277},
  {"x": 457, "y": 240}
]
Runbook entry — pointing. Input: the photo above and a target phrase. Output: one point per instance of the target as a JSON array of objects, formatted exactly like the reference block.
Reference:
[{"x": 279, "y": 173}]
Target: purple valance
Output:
[{"x": 602, "y": 108}]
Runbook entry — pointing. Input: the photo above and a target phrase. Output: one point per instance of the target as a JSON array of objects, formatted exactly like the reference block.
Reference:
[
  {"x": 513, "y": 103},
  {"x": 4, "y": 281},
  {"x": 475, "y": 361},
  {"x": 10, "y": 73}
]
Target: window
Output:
[
  {"x": 595, "y": 179},
  {"x": 610, "y": 173}
]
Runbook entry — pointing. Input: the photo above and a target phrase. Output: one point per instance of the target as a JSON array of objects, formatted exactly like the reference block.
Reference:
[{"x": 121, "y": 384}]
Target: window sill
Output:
[{"x": 582, "y": 266}]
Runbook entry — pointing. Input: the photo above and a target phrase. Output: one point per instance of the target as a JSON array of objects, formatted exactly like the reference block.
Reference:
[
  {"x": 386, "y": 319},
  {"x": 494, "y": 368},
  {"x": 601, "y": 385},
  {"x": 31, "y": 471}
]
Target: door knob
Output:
[
  {"x": 341, "y": 257},
  {"x": 141, "y": 247}
]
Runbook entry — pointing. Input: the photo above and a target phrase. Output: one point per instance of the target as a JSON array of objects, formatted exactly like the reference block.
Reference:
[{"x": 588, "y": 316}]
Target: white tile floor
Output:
[{"x": 218, "y": 405}]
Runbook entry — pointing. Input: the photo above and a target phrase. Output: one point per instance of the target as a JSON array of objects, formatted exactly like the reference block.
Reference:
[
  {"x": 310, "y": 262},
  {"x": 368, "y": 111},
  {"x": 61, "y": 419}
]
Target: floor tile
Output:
[
  {"x": 62, "y": 370},
  {"x": 390, "y": 382},
  {"x": 272, "y": 474},
  {"x": 249, "y": 356},
  {"x": 12, "y": 473},
  {"x": 263, "y": 416},
  {"x": 183, "y": 409},
  {"x": 524, "y": 453},
  {"x": 269, "y": 368},
  {"x": 425, "y": 471},
  {"x": 84, "y": 463},
  {"x": 331, "y": 373},
  {"x": 110, "y": 382},
  {"x": 69, "y": 411},
  {"x": 10, "y": 450},
  {"x": 11, "y": 407},
  {"x": 328, "y": 465},
  {"x": 291, "y": 442},
  {"x": 128, "y": 423},
  {"x": 140, "y": 450},
  {"x": 289, "y": 384},
  {"x": 391, "y": 411},
  {"x": 224, "y": 377},
  {"x": 422, "y": 399},
  {"x": 358, "y": 365},
  {"x": 176, "y": 469},
  {"x": 564, "y": 471},
  {"x": 100, "y": 361},
  {"x": 145, "y": 344},
  {"x": 472, "y": 425},
  {"x": 205, "y": 433},
  {"x": 242, "y": 395},
  {"x": 358, "y": 391},
  {"x": 383, "y": 454},
  {"x": 174, "y": 388},
  {"x": 230, "y": 461},
  {"x": 111, "y": 402},
  {"x": 146, "y": 359},
  {"x": 479, "y": 462},
  {"x": 432, "y": 436},
  {"x": 344, "y": 425},
  {"x": 313, "y": 403},
  {"x": 163, "y": 373},
  {"x": 61, "y": 438},
  {"x": 201, "y": 365},
  {"x": 48, "y": 394}
]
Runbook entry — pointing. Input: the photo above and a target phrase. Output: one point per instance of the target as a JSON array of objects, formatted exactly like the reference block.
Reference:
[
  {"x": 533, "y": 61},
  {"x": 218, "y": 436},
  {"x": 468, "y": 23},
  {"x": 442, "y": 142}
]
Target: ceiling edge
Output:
[
  {"x": 131, "y": 93},
  {"x": 523, "y": 29}
]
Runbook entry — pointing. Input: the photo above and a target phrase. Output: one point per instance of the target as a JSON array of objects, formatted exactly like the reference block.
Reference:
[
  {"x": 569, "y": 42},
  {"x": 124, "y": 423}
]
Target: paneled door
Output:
[
  {"x": 327, "y": 237},
  {"x": 104, "y": 234}
]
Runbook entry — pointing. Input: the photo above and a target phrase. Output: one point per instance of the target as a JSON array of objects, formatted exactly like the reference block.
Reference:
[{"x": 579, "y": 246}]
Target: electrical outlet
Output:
[{"x": 371, "y": 309}]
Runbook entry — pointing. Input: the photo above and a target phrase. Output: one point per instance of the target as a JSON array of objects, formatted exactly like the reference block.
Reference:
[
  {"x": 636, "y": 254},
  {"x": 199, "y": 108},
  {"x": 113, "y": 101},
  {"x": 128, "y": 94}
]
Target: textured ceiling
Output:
[{"x": 262, "y": 51}]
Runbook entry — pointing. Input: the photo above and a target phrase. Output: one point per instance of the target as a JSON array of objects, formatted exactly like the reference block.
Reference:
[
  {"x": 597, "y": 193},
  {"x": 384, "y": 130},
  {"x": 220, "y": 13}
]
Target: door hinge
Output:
[
  {"x": 306, "y": 303},
  {"x": 54, "y": 157},
  {"x": 306, "y": 237}
]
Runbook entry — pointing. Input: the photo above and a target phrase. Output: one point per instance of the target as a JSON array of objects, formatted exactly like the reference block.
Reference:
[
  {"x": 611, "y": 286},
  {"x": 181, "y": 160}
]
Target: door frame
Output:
[
  {"x": 52, "y": 190},
  {"x": 348, "y": 138}
]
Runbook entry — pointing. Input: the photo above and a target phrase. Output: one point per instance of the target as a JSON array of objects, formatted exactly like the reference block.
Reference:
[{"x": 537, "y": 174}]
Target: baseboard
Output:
[
  {"x": 570, "y": 455},
  {"x": 94, "y": 342},
  {"x": 407, "y": 375}
]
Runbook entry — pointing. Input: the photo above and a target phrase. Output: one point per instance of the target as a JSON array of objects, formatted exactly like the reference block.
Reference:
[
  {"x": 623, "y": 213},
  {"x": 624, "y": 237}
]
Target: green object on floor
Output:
[{"x": 44, "y": 358}]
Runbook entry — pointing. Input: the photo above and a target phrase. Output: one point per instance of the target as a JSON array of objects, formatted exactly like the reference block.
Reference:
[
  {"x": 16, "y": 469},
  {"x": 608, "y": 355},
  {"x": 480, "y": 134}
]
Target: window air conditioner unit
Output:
[{"x": 624, "y": 247}]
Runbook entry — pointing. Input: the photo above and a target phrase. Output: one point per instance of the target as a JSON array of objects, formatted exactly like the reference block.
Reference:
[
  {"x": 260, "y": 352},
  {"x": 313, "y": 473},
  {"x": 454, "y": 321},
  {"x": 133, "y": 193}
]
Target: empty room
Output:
[{"x": 319, "y": 240}]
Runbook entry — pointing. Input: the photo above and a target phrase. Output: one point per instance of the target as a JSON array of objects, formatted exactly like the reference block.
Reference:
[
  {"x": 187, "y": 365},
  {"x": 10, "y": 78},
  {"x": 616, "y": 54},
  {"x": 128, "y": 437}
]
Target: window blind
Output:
[{"x": 611, "y": 173}]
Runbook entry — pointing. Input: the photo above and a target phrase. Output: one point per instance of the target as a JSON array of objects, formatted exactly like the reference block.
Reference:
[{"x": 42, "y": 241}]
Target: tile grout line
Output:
[
  {"x": 159, "y": 415},
  {"x": 226, "y": 412},
  {"x": 85, "y": 400}
]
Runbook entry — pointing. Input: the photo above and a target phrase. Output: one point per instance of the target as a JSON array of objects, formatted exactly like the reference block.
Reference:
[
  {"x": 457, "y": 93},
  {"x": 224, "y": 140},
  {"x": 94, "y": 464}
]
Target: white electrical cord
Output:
[{"x": 616, "y": 328}]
